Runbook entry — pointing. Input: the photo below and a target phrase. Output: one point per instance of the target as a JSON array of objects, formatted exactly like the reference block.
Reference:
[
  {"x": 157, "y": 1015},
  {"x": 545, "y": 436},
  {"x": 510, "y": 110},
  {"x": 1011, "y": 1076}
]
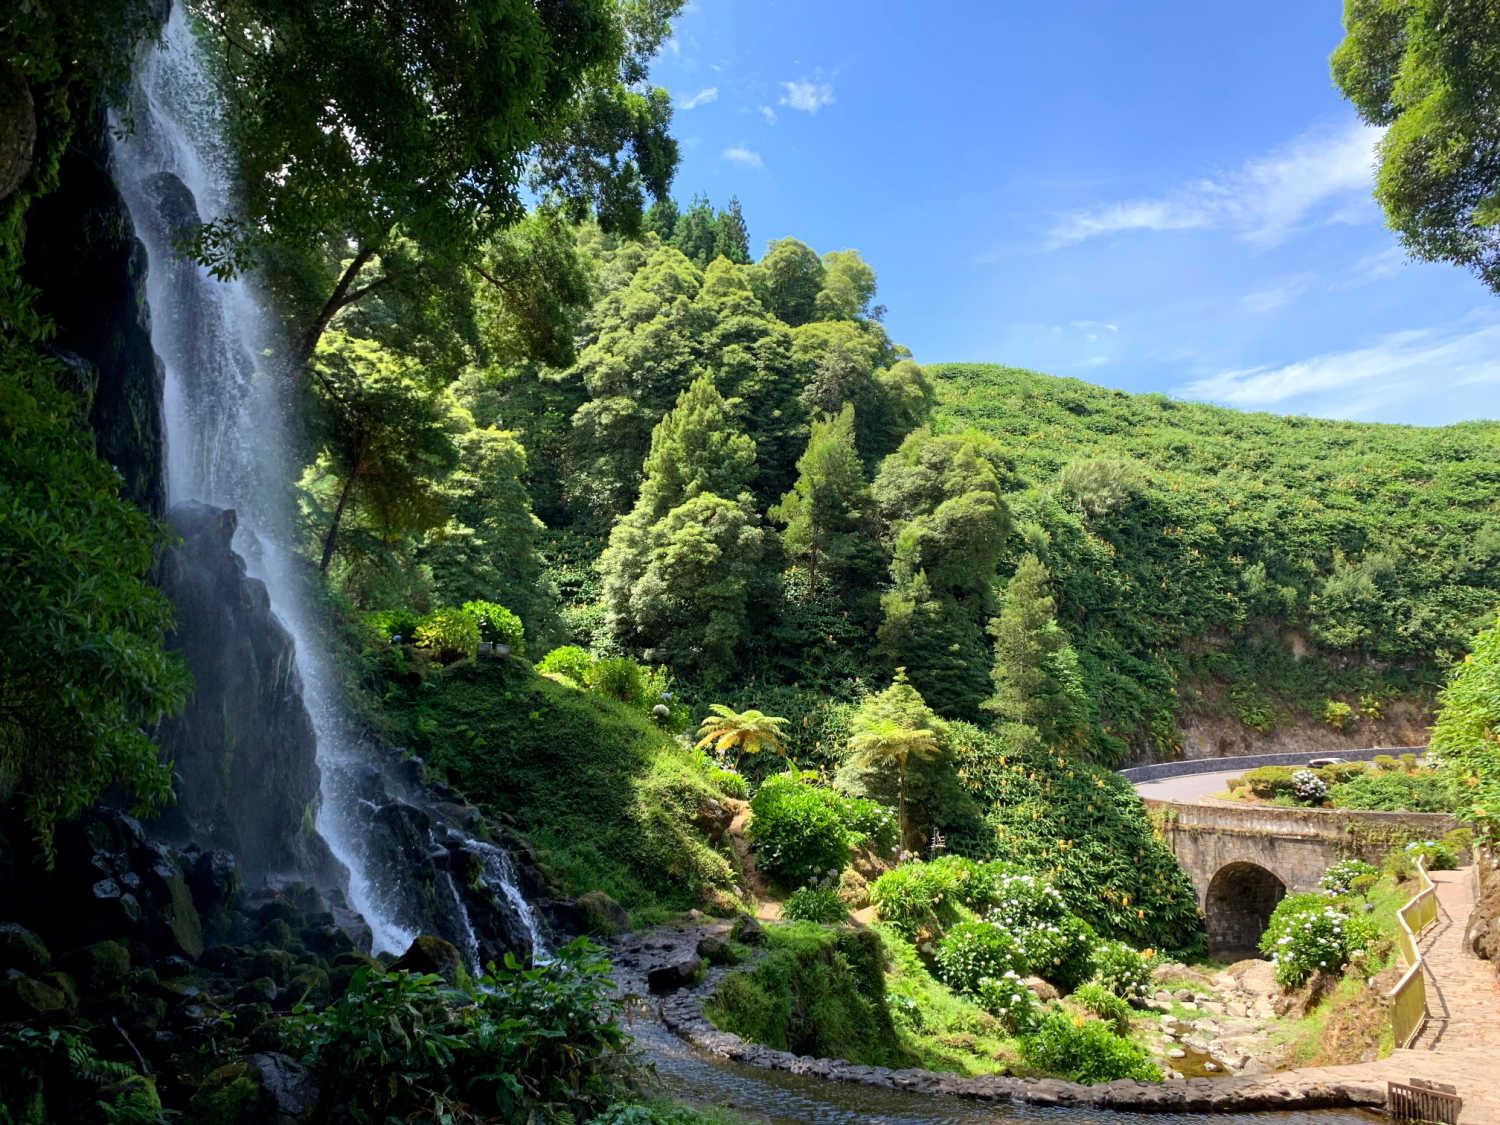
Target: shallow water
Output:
[{"x": 686, "y": 1075}]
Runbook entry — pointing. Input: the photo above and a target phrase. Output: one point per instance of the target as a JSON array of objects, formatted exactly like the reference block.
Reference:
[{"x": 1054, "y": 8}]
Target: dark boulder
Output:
[
  {"x": 747, "y": 930},
  {"x": 428, "y": 954},
  {"x": 715, "y": 950},
  {"x": 597, "y": 913},
  {"x": 21, "y": 949},
  {"x": 681, "y": 973}
]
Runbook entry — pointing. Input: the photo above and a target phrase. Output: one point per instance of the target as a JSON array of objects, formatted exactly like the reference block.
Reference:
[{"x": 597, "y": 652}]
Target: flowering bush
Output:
[
  {"x": 798, "y": 829},
  {"x": 1309, "y": 787},
  {"x": 1307, "y": 934},
  {"x": 1060, "y": 951},
  {"x": 1023, "y": 900},
  {"x": 1007, "y": 998},
  {"x": 972, "y": 951},
  {"x": 815, "y": 902},
  {"x": 869, "y": 822},
  {"x": 1123, "y": 971},
  {"x": 1340, "y": 878},
  {"x": 907, "y": 897}
]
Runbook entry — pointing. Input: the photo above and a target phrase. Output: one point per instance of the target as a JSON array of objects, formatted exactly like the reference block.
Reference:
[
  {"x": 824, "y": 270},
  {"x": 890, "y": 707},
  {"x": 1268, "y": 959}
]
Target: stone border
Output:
[
  {"x": 683, "y": 1015},
  {"x": 1158, "y": 770}
]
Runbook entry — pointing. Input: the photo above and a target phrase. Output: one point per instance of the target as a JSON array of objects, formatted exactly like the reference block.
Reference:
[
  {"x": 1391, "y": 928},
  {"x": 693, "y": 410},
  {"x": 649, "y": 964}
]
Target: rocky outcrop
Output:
[
  {"x": 243, "y": 751},
  {"x": 83, "y": 255}
]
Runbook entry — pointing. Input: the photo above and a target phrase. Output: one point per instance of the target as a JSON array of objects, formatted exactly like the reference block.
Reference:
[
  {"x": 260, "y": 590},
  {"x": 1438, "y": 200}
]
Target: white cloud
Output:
[
  {"x": 702, "y": 97},
  {"x": 1262, "y": 201},
  {"x": 1379, "y": 266},
  {"x": 1276, "y": 296},
  {"x": 739, "y": 154},
  {"x": 769, "y": 114},
  {"x": 806, "y": 96},
  {"x": 1094, "y": 326},
  {"x": 1413, "y": 364}
]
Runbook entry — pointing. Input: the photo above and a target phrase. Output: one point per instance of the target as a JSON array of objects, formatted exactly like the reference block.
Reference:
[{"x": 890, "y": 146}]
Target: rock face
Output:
[
  {"x": 243, "y": 750},
  {"x": 82, "y": 253}
]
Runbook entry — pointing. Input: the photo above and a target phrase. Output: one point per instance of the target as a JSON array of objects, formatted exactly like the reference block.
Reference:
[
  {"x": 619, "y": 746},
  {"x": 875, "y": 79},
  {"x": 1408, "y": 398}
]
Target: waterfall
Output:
[{"x": 227, "y": 444}]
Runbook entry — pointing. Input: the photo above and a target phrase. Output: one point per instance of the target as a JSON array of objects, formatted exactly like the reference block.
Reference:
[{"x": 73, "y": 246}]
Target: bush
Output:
[
  {"x": 1307, "y": 934},
  {"x": 1009, "y": 1000},
  {"x": 531, "y": 1043},
  {"x": 1060, "y": 951},
  {"x": 452, "y": 634},
  {"x": 618, "y": 677},
  {"x": 1108, "y": 1006},
  {"x": 1408, "y": 761},
  {"x": 908, "y": 897},
  {"x": 1085, "y": 1052},
  {"x": 1434, "y": 856},
  {"x": 1122, "y": 970},
  {"x": 1270, "y": 781},
  {"x": 1309, "y": 787},
  {"x": 1025, "y": 900},
  {"x": 815, "y": 903},
  {"x": 497, "y": 624},
  {"x": 1386, "y": 762},
  {"x": 1340, "y": 716},
  {"x": 972, "y": 951},
  {"x": 798, "y": 830},
  {"x": 570, "y": 661},
  {"x": 870, "y": 822},
  {"x": 1396, "y": 791},
  {"x": 1341, "y": 877},
  {"x": 391, "y": 624}
]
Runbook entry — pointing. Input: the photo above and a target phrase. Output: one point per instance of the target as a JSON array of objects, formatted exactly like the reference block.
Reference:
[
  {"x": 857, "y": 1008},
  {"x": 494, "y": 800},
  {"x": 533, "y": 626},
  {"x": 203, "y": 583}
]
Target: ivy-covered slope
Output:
[{"x": 1268, "y": 565}]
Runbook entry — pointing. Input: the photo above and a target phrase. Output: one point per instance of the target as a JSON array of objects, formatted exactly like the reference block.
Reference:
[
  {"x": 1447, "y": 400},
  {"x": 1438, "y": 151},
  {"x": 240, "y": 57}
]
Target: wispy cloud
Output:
[
  {"x": 1278, "y": 295},
  {"x": 1400, "y": 365},
  {"x": 807, "y": 96},
  {"x": 1094, "y": 327},
  {"x": 769, "y": 114},
  {"x": 1262, "y": 201},
  {"x": 1379, "y": 266},
  {"x": 747, "y": 158},
  {"x": 702, "y": 97}
]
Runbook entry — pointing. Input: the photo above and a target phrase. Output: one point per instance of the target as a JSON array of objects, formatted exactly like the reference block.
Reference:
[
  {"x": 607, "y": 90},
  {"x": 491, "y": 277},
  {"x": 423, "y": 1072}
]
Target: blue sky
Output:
[{"x": 1169, "y": 196}]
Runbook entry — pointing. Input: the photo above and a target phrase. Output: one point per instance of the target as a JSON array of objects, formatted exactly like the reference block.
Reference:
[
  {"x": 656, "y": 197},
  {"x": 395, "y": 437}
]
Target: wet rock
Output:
[
  {"x": 428, "y": 954},
  {"x": 715, "y": 950},
  {"x": 308, "y": 985},
  {"x": 261, "y": 990},
  {"x": 600, "y": 914},
  {"x": 21, "y": 949},
  {"x": 26, "y": 999},
  {"x": 288, "y": 1091},
  {"x": 276, "y": 964},
  {"x": 101, "y": 968},
  {"x": 747, "y": 930},
  {"x": 345, "y": 965},
  {"x": 681, "y": 973},
  {"x": 214, "y": 879}
]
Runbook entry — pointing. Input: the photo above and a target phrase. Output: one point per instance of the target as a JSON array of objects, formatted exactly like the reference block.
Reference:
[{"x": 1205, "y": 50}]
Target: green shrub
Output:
[
  {"x": 870, "y": 822},
  {"x": 451, "y": 634},
  {"x": 1340, "y": 772},
  {"x": 815, "y": 903},
  {"x": 908, "y": 896},
  {"x": 497, "y": 624},
  {"x": 1107, "y": 1005},
  {"x": 1435, "y": 856},
  {"x": 1308, "y": 934},
  {"x": 1270, "y": 781},
  {"x": 1122, "y": 970},
  {"x": 1408, "y": 760},
  {"x": 1340, "y": 878},
  {"x": 1009, "y": 1000},
  {"x": 1085, "y": 1052},
  {"x": 530, "y": 1043},
  {"x": 1386, "y": 762},
  {"x": 568, "y": 660},
  {"x": 618, "y": 677},
  {"x": 972, "y": 951},
  {"x": 388, "y": 624},
  {"x": 1340, "y": 716},
  {"x": 798, "y": 830}
]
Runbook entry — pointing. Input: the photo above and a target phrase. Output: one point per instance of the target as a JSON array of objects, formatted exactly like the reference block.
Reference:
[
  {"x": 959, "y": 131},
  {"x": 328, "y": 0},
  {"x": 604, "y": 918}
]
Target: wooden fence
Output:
[{"x": 1408, "y": 999}]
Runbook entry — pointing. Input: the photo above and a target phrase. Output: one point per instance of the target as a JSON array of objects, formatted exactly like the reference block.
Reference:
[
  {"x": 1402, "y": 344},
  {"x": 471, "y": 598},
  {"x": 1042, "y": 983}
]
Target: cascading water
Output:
[{"x": 227, "y": 446}]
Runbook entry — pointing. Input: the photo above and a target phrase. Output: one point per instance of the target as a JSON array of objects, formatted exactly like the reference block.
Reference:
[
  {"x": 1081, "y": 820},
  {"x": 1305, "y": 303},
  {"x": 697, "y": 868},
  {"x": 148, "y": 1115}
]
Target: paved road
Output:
[{"x": 1188, "y": 786}]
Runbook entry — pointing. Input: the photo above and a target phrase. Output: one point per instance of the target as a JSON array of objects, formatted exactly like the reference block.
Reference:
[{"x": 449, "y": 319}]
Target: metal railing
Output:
[
  {"x": 1408, "y": 999},
  {"x": 1418, "y": 1101}
]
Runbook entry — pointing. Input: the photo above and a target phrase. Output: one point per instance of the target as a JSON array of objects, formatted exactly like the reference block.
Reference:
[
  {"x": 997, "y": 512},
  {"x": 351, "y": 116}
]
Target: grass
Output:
[{"x": 607, "y": 798}]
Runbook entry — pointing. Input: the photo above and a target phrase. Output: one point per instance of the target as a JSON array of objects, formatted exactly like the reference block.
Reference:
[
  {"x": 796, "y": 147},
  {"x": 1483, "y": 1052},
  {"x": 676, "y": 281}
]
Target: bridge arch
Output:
[{"x": 1238, "y": 904}]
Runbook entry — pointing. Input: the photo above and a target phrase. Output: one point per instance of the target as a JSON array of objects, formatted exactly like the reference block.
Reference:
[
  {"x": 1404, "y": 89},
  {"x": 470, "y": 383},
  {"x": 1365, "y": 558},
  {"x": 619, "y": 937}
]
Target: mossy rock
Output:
[
  {"x": 230, "y": 1096},
  {"x": 29, "y": 1000},
  {"x": 748, "y": 931},
  {"x": 277, "y": 964},
  {"x": 429, "y": 954},
  {"x": 600, "y": 914},
  {"x": 308, "y": 985},
  {"x": 21, "y": 949},
  {"x": 132, "y": 1098},
  {"x": 345, "y": 965},
  {"x": 102, "y": 968}
]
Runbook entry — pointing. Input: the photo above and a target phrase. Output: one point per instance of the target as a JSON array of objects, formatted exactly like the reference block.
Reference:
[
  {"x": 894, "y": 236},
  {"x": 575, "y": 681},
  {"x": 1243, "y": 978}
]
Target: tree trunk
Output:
[
  {"x": 307, "y": 343},
  {"x": 330, "y": 544}
]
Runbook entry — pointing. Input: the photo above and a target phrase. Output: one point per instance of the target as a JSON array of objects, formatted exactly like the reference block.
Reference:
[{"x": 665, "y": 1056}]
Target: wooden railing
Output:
[{"x": 1408, "y": 999}]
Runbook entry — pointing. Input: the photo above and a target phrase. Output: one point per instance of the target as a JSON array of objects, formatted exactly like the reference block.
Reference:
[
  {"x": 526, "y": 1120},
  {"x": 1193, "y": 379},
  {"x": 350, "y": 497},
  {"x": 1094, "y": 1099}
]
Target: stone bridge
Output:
[{"x": 1243, "y": 858}]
